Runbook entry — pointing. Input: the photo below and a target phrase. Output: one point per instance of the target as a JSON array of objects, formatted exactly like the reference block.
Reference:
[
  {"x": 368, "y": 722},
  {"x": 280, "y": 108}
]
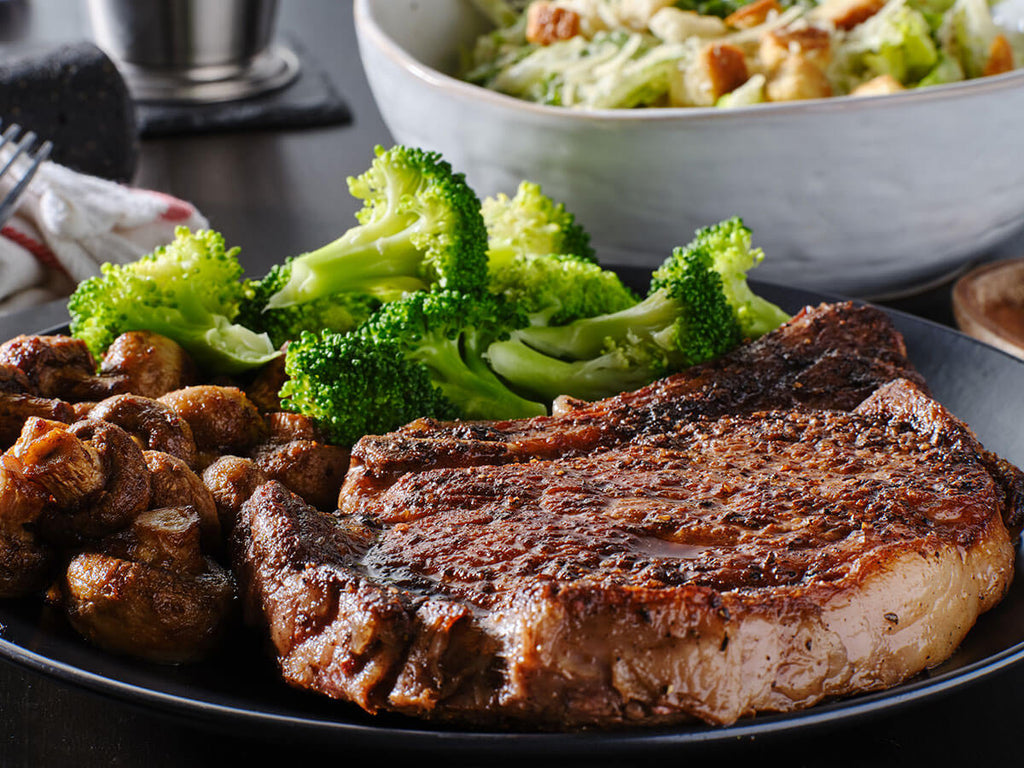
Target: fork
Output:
[{"x": 34, "y": 154}]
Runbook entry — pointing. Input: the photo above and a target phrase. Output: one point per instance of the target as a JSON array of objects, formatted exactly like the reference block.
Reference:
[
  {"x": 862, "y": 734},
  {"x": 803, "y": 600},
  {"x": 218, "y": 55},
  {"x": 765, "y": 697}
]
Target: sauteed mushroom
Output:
[
  {"x": 153, "y": 364},
  {"x": 223, "y": 419},
  {"x": 60, "y": 366},
  {"x": 232, "y": 480},
  {"x": 19, "y": 400},
  {"x": 94, "y": 471},
  {"x": 173, "y": 483},
  {"x": 309, "y": 468},
  {"x": 148, "y": 591},
  {"x": 23, "y": 559},
  {"x": 155, "y": 425}
]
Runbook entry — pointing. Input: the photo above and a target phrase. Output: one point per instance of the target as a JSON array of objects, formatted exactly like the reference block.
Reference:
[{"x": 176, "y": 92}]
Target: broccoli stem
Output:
[
  {"x": 357, "y": 262},
  {"x": 547, "y": 377},
  {"x": 755, "y": 314},
  {"x": 589, "y": 337},
  {"x": 479, "y": 393}
]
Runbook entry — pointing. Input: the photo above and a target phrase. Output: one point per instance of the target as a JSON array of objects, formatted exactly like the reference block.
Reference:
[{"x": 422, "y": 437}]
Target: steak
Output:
[
  {"x": 829, "y": 356},
  {"x": 710, "y": 568}
]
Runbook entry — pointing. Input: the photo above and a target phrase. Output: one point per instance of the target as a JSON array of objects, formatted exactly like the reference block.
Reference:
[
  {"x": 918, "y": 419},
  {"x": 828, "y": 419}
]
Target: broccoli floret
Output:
[
  {"x": 541, "y": 259},
  {"x": 188, "y": 290},
  {"x": 420, "y": 229},
  {"x": 531, "y": 224},
  {"x": 545, "y": 377},
  {"x": 678, "y": 325},
  {"x": 352, "y": 387},
  {"x": 729, "y": 245},
  {"x": 555, "y": 290},
  {"x": 418, "y": 356},
  {"x": 699, "y": 306},
  {"x": 338, "y": 312}
]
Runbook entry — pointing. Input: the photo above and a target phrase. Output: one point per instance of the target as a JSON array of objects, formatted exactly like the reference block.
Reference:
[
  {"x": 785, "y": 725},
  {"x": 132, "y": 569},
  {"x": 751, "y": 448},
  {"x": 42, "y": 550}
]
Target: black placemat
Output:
[{"x": 309, "y": 100}]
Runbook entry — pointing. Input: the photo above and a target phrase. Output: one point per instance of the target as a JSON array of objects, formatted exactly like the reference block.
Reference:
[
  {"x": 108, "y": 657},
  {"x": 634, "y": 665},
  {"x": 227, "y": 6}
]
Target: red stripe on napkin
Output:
[
  {"x": 39, "y": 250},
  {"x": 177, "y": 210}
]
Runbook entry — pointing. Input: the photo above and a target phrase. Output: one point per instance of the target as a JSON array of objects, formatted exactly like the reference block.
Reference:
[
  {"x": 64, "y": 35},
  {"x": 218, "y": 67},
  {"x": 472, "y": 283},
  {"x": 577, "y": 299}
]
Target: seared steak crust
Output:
[
  {"x": 830, "y": 356},
  {"x": 714, "y": 569}
]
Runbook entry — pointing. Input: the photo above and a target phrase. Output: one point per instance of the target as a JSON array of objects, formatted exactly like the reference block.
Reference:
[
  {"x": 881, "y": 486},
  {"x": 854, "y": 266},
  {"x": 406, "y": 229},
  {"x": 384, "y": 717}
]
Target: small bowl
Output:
[
  {"x": 988, "y": 304},
  {"x": 865, "y": 196}
]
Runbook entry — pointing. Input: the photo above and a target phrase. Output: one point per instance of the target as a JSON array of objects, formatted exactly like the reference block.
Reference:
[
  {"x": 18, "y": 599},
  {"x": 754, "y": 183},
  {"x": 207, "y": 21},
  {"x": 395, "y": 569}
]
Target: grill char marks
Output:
[
  {"x": 829, "y": 356},
  {"x": 753, "y": 562},
  {"x": 778, "y": 498}
]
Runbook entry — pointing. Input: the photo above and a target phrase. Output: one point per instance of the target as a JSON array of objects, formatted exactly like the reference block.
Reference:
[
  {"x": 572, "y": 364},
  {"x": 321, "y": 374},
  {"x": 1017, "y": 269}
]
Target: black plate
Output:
[{"x": 239, "y": 690}]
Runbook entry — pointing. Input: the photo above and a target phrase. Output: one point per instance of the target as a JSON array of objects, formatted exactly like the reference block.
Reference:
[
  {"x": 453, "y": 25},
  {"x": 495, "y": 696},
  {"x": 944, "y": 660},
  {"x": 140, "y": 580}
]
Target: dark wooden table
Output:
[{"x": 277, "y": 193}]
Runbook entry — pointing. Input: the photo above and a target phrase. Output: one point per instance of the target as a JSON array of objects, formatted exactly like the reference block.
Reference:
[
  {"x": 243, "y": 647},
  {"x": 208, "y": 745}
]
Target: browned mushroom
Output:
[
  {"x": 282, "y": 427},
  {"x": 232, "y": 480},
  {"x": 60, "y": 366},
  {"x": 126, "y": 492},
  {"x": 173, "y": 483},
  {"x": 148, "y": 592},
  {"x": 153, "y": 364},
  {"x": 156, "y": 426},
  {"x": 82, "y": 409},
  {"x": 19, "y": 400},
  {"x": 70, "y": 470},
  {"x": 264, "y": 389},
  {"x": 94, "y": 471},
  {"x": 223, "y": 419},
  {"x": 164, "y": 537},
  {"x": 24, "y": 561}
]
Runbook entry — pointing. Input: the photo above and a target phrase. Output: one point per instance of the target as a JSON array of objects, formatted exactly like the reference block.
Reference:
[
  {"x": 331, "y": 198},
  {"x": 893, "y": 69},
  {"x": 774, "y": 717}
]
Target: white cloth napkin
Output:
[{"x": 68, "y": 224}]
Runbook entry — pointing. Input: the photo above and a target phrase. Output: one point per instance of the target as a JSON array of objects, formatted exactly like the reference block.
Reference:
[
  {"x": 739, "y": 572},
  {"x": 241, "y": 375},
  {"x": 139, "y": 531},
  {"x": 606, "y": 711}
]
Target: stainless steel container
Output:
[{"x": 193, "y": 50}]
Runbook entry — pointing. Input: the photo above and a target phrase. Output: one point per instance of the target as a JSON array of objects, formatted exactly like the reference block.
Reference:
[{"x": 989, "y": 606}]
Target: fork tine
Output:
[
  {"x": 9, "y": 135},
  {"x": 10, "y": 200},
  {"x": 26, "y": 143}
]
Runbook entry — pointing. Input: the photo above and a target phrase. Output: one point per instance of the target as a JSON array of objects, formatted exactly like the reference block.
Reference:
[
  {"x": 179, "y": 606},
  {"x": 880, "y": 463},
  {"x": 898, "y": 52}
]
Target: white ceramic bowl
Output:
[{"x": 862, "y": 196}]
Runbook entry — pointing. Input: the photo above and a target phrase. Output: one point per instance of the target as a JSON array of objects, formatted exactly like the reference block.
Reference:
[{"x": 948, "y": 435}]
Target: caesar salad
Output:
[{"x": 621, "y": 54}]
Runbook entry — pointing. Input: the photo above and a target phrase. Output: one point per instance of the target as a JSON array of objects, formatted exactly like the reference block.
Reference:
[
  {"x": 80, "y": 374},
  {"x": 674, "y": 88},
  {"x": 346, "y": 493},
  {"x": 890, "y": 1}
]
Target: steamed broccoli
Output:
[
  {"x": 188, "y": 290},
  {"x": 418, "y": 356},
  {"x": 339, "y": 312},
  {"x": 729, "y": 245},
  {"x": 698, "y": 307},
  {"x": 531, "y": 224},
  {"x": 540, "y": 259},
  {"x": 555, "y": 289},
  {"x": 420, "y": 228}
]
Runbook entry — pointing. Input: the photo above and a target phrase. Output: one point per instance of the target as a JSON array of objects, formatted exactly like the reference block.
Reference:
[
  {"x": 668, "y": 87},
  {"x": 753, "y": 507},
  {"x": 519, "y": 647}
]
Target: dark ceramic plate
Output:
[{"x": 239, "y": 690}]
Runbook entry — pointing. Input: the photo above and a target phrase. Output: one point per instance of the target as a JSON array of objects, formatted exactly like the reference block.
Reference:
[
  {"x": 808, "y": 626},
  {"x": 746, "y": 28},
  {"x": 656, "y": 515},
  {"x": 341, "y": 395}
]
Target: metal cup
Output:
[{"x": 193, "y": 50}]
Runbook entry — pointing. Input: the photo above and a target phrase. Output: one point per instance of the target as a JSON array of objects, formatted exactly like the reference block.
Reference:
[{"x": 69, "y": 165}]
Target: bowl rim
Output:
[{"x": 369, "y": 31}]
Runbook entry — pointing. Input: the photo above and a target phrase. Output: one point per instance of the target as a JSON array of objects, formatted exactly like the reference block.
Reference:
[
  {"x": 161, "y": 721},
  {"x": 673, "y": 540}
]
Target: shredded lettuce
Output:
[{"x": 615, "y": 60}]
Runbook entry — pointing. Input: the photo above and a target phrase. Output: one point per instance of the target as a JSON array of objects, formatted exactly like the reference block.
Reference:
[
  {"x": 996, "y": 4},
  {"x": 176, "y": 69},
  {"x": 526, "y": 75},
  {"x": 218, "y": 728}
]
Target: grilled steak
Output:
[
  {"x": 830, "y": 356},
  {"x": 710, "y": 568}
]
